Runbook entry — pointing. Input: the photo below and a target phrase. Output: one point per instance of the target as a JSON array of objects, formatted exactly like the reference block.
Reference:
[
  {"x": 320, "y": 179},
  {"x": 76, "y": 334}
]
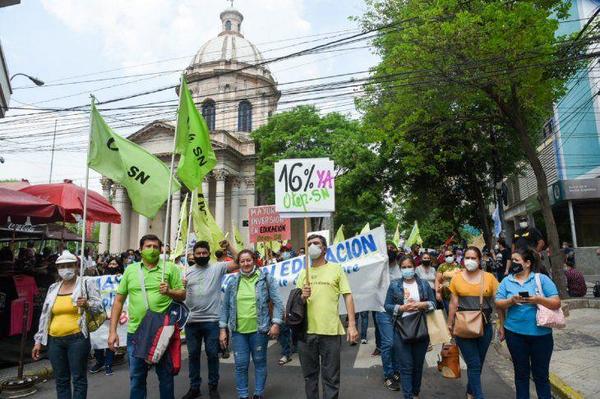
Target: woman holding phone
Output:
[{"x": 530, "y": 346}]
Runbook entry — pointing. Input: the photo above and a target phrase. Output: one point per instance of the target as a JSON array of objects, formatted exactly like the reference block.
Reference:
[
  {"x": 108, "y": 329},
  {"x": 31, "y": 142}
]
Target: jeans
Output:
[
  {"x": 473, "y": 351},
  {"x": 243, "y": 346},
  {"x": 321, "y": 354},
  {"x": 531, "y": 355},
  {"x": 68, "y": 356},
  {"x": 194, "y": 334},
  {"x": 285, "y": 340},
  {"x": 412, "y": 358},
  {"x": 364, "y": 323},
  {"x": 377, "y": 334},
  {"x": 104, "y": 357},
  {"x": 389, "y": 359},
  {"x": 138, "y": 371}
]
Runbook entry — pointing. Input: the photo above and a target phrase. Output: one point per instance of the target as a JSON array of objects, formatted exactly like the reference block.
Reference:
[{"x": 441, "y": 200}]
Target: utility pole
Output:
[{"x": 52, "y": 156}]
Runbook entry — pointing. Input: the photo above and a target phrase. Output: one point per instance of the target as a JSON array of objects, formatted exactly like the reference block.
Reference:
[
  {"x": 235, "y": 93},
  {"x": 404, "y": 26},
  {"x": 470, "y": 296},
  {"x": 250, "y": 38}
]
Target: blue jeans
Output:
[
  {"x": 194, "y": 334},
  {"x": 412, "y": 358},
  {"x": 104, "y": 357},
  {"x": 244, "y": 345},
  {"x": 285, "y": 340},
  {"x": 364, "y": 323},
  {"x": 138, "y": 371},
  {"x": 68, "y": 356},
  {"x": 473, "y": 351},
  {"x": 385, "y": 326},
  {"x": 531, "y": 355}
]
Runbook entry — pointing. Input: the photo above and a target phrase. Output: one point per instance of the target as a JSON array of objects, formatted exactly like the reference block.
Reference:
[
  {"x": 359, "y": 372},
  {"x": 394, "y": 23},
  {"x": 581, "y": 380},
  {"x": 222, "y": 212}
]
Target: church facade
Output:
[{"x": 236, "y": 94}]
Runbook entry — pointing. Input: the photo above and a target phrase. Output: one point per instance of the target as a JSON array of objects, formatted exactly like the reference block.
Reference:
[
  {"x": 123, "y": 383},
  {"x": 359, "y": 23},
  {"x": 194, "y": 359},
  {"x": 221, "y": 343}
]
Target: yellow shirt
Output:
[
  {"x": 327, "y": 283},
  {"x": 65, "y": 317}
]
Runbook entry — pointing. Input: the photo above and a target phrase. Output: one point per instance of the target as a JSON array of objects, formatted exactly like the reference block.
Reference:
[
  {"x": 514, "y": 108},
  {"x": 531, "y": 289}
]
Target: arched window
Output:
[
  {"x": 228, "y": 25},
  {"x": 209, "y": 113},
  {"x": 245, "y": 116}
]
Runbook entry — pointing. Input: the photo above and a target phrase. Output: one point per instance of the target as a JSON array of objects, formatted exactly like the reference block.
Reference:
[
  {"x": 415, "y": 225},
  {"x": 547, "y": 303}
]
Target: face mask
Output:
[
  {"x": 449, "y": 259},
  {"x": 66, "y": 274},
  {"x": 151, "y": 255},
  {"x": 314, "y": 251},
  {"x": 286, "y": 255},
  {"x": 408, "y": 273},
  {"x": 201, "y": 260},
  {"x": 471, "y": 264},
  {"x": 496, "y": 247},
  {"x": 515, "y": 268},
  {"x": 391, "y": 256},
  {"x": 248, "y": 274},
  {"x": 426, "y": 262},
  {"x": 523, "y": 225}
]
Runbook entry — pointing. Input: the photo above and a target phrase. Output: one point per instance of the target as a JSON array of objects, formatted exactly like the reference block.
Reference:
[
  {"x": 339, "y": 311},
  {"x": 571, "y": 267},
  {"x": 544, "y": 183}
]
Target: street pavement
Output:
[{"x": 361, "y": 377}]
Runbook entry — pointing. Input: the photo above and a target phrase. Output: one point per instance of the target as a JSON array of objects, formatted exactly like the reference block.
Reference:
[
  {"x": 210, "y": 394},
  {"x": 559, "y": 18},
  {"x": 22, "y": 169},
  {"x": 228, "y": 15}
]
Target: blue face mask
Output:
[{"x": 408, "y": 273}]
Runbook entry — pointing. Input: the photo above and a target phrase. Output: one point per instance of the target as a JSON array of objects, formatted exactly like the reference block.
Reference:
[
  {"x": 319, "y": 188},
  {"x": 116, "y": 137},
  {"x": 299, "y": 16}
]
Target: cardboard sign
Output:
[
  {"x": 305, "y": 187},
  {"x": 265, "y": 224}
]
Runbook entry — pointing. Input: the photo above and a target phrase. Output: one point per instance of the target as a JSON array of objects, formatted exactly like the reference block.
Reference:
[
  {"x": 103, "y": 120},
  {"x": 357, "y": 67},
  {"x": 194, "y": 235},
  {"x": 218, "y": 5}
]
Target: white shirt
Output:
[
  {"x": 427, "y": 275},
  {"x": 411, "y": 294},
  {"x": 395, "y": 272}
]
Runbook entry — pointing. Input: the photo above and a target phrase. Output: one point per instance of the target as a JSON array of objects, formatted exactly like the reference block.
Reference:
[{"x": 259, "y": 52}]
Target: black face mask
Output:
[
  {"x": 191, "y": 262},
  {"x": 391, "y": 256},
  {"x": 426, "y": 262},
  {"x": 201, "y": 260},
  {"x": 515, "y": 268}
]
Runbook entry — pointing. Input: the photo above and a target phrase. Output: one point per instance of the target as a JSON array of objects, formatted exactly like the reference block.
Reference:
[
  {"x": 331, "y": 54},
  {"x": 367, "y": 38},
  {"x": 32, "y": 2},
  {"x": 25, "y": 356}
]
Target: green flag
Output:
[
  {"x": 196, "y": 156},
  {"x": 415, "y": 236},
  {"x": 239, "y": 241},
  {"x": 145, "y": 177},
  {"x": 181, "y": 242},
  {"x": 339, "y": 236},
  {"x": 396, "y": 238},
  {"x": 205, "y": 226}
]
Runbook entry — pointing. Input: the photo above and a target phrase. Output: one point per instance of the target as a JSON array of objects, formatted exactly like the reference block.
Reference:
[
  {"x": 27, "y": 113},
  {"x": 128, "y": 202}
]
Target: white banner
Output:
[
  {"x": 363, "y": 258},
  {"x": 107, "y": 285}
]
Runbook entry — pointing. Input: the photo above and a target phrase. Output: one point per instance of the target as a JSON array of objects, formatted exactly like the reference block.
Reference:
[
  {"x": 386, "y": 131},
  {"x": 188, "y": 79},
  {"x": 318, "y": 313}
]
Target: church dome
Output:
[{"x": 230, "y": 45}]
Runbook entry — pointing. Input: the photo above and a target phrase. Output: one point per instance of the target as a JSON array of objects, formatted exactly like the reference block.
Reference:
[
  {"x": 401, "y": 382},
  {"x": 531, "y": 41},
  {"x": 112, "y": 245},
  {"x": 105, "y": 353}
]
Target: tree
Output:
[
  {"x": 303, "y": 133},
  {"x": 504, "y": 55}
]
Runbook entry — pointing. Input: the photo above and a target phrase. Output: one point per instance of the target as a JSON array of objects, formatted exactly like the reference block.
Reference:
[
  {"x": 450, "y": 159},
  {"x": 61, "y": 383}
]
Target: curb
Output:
[{"x": 562, "y": 390}]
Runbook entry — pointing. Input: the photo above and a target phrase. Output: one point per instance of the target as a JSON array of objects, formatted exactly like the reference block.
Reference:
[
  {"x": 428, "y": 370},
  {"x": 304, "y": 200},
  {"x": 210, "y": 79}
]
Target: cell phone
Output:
[{"x": 524, "y": 294}]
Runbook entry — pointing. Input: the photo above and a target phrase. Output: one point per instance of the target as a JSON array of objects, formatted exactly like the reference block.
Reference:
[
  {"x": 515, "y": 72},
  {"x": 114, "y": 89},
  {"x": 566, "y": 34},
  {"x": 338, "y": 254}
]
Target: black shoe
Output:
[
  {"x": 213, "y": 391},
  {"x": 391, "y": 384},
  {"x": 396, "y": 377},
  {"x": 97, "y": 368},
  {"x": 192, "y": 393},
  {"x": 258, "y": 397}
]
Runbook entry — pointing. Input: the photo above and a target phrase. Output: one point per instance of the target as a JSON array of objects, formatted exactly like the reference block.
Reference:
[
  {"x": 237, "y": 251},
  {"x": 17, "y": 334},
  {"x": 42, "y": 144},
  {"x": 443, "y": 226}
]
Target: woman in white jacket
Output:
[{"x": 63, "y": 327}]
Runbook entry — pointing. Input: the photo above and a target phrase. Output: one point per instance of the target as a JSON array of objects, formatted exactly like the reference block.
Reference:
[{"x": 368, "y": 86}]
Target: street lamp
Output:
[{"x": 37, "y": 81}]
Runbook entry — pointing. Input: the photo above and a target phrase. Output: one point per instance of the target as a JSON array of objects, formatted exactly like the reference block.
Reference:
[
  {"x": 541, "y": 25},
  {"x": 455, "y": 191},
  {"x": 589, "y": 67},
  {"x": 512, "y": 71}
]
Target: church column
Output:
[
  {"x": 143, "y": 226},
  {"x": 115, "y": 229},
  {"x": 249, "y": 191},
  {"x": 104, "y": 245},
  {"x": 175, "y": 210},
  {"x": 220, "y": 177},
  {"x": 235, "y": 203},
  {"x": 206, "y": 189}
]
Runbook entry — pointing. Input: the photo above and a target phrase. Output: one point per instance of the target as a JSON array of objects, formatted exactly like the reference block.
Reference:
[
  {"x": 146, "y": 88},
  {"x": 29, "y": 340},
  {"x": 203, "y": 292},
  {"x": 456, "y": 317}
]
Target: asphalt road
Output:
[{"x": 361, "y": 378}]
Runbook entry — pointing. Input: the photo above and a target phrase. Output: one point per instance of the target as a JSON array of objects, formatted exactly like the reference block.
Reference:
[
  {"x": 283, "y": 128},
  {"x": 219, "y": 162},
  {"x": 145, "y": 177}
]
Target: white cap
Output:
[{"x": 66, "y": 257}]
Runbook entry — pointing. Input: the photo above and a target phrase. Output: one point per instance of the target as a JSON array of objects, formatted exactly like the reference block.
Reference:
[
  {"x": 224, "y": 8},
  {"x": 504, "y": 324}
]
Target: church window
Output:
[
  {"x": 228, "y": 25},
  {"x": 209, "y": 113},
  {"x": 245, "y": 116}
]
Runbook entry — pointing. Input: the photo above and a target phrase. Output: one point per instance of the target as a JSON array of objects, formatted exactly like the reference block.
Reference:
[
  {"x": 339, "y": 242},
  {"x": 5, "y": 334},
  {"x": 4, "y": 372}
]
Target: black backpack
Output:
[
  {"x": 597, "y": 289},
  {"x": 295, "y": 315}
]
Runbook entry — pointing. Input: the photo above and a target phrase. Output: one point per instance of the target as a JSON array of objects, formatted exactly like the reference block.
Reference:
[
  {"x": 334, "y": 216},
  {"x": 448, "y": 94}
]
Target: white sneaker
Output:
[{"x": 363, "y": 341}]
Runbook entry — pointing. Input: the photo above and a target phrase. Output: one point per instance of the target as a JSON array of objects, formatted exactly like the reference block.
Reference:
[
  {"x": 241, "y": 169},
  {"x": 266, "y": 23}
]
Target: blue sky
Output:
[{"x": 66, "y": 41}]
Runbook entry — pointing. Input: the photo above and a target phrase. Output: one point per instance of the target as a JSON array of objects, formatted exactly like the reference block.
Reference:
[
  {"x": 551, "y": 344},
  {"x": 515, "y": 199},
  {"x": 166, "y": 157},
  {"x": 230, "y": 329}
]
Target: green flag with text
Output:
[
  {"x": 145, "y": 177},
  {"x": 196, "y": 156}
]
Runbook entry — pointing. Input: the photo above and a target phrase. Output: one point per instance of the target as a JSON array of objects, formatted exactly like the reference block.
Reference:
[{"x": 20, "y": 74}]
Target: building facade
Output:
[{"x": 236, "y": 93}]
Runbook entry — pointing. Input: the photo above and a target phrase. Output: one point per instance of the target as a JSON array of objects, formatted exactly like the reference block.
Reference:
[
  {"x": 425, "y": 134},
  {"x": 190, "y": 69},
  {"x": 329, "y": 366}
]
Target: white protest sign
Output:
[
  {"x": 107, "y": 285},
  {"x": 305, "y": 187},
  {"x": 363, "y": 258}
]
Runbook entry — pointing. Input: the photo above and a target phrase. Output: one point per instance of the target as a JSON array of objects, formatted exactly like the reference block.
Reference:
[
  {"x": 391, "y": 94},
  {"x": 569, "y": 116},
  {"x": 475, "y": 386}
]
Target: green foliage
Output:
[{"x": 303, "y": 133}]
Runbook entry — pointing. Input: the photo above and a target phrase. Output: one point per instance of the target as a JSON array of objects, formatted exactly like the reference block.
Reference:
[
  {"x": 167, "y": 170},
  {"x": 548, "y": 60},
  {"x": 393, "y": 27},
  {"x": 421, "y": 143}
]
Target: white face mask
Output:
[
  {"x": 314, "y": 251},
  {"x": 250, "y": 273},
  {"x": 471, "y": 264},
  {"x": 523, "y": 225},
  {"x": 449, "y": 259},
  {"x": 66, "y": 274}
]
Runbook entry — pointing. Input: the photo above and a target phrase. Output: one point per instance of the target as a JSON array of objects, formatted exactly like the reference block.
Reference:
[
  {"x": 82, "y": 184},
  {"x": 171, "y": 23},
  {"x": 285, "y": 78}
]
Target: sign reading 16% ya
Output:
[{"x": 305, "y": 187}]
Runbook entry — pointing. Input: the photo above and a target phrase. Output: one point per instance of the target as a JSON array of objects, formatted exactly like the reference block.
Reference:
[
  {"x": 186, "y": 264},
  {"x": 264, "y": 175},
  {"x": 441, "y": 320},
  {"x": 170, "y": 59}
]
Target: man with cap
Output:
[{"x": 527, "y": 236}]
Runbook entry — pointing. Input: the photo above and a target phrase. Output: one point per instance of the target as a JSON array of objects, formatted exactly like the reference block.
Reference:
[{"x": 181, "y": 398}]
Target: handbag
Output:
[
  {"x": 547, "y": 317},
  {"x": 437, "y": 327},
  {"x": 449, "y": 361},
  {"x": 470, "y": 323},
  {"x": 93, "y": 319},
  {"x": 412, "y": 328}
]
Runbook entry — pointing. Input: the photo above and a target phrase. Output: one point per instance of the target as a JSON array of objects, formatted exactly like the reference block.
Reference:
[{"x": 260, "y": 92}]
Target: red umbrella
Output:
[
  {"x": 70, "y": 197},
  {"x": 19, "y": 205}
]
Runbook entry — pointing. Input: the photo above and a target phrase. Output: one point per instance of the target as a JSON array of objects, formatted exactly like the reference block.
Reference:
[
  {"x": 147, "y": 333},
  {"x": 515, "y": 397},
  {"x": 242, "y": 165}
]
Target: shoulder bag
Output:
[
  {"x": 471, "y": 323},
  {"x": 93, "y": 319},
  {"x": 547, "y": 317},
  {"x": 412, "y": 328}
]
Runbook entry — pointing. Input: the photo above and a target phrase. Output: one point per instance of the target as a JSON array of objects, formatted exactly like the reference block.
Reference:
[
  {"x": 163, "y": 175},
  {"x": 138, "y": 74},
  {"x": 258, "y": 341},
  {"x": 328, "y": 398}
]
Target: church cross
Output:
[{"x": 231, "y": 1}]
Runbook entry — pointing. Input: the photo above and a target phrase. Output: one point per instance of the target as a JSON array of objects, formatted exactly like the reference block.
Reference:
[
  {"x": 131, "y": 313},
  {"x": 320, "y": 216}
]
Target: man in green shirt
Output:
[
  {"x": 160, "y": 293},
  {"x": 322, "y": 347}
]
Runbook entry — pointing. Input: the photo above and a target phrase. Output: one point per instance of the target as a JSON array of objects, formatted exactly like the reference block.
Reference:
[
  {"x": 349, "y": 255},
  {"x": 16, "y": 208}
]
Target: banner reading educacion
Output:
[
  {"x": 107, "y": 285},
  {"x": 363, "y": 258}
]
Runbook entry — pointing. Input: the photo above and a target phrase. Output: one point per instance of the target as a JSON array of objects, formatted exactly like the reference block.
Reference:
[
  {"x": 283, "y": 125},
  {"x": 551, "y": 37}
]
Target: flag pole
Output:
[
  {"x": 187, "y": 238},
  {"x": 168, "y": 210},
  {"x": 85, "y": 191}
]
